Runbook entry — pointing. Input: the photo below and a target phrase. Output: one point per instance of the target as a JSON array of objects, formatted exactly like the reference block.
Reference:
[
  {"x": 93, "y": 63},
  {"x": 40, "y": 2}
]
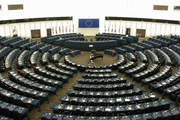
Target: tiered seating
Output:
[
  {"x": 109, "y": 100},
  {"x": 10, "y": 57},
  {"x": 127, "y": 66},
  {"x": 29, "y": 83},
  {"x": 166, "y": 58},
  {"x": 13, "y": 111},
  {"x": 9, "y": 41},
  {"x": 142, "y": 57},
  {"x": 155, "y": 45},
  {"x": 172, "y": 80},
  {"x": 45, "y": 58},
  {"x": 100, "y": 75},
  {"x": 145, "y": 45},
  {"x": 137, "y": 47},
  {"x": 45, "y": 48},
  {"x": 164, "y": 114},
  {"x": 110, "y": 52},
  {"x": 64, "y": 51},
  {"x": 51, "y": 75},
  {"x": 34, "y": 57},
  {"x": 152, "y": 56},
  {"x": 66, "y": 67},
  {"x": 102, "y": 87},
  {"x": 25, "y": 91},
  {"x": 36, "y": 47},
  {"x": 105, "y": 94},
  {"x": 120, "y": 50},
  {"x": 54, "y": 50},
  {"x": 27, "y": 45},
  {"x": 59, "y": 71},
  {"x": 18, "y": 99},
  {"x": 21, "y": 59},
  {"x": 111, "y": 110},
  {"x": 128, "y": 48},
  {"x": 18, "y": 43},
  {"x": 163, "y": 74},
  {"x": 175, "y": 38},
  {"x": 44, "y": 80},
  {"x": 98, "y": 70},
  {"x": 163, "y": 43},
  {"x": 131, "y": 57},
  {"x": 4, "y": 51},
  {"x": 171, "y": 41}
]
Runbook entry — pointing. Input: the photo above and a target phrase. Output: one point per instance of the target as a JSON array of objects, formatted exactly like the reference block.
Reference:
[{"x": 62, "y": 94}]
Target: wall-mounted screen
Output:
[{"x": 88, "y": 23}]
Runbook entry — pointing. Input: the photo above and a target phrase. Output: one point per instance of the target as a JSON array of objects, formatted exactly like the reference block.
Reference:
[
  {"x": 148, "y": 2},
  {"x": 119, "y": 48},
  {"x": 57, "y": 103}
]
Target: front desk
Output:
[{"x": 97, "y": 45}]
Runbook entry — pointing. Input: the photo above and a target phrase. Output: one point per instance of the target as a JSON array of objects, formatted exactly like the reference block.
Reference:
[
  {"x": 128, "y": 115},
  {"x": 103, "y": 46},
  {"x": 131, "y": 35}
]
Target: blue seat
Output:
[
  {"x": 59, "y": 71},
  {"x": 45, "y": 58},
  {"x": 18, "y": 43},
  {"x": 102, "y": 87},
  {"x": 137, "y": 47},
  {"x": 142, "y": 57},
  {"x": 36, "y": 47},
  {"x": 66, "y": 67},
  {"x": 9, "y": 41},
  {"x": 152, "y": 56},
  {"x": 54, "y": 50},
  {"x": 27, "y": 45},
  {"x": 128, "y": 48},
  {"x": 21, "y": 59},
  {"x": 10, "y": 57},
  {"x": 131, "y": 57},
  {"x": 44, "y": 80},
  {"x": 28, "y": 82},
  {"x": 120, "y": 50},
  {"x": 34, "y": 57},
  {"x": 145, "y": 45},
  {"x": 110, "y": 52},
  {"x": 105, "y": 94},
  {"x": 45, "y": 48}
]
